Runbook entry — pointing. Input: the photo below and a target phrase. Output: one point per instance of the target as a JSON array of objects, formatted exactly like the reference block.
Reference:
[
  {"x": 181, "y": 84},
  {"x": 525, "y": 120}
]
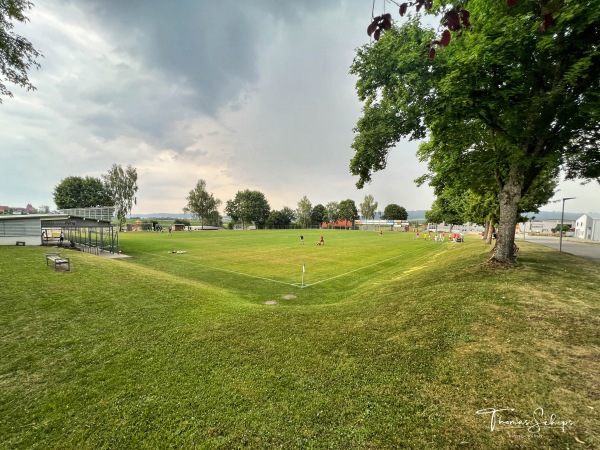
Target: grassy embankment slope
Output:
[{"x": 393, "y": 343}]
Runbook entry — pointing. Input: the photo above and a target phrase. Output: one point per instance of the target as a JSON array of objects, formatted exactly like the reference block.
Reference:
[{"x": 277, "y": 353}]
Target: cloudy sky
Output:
[{"x": 248, "y": 94}]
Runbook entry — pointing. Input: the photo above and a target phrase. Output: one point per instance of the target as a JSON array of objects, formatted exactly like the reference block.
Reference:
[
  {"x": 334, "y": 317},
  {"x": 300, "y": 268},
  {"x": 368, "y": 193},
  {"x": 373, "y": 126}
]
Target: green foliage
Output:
[
  {"x": 122, "y": 186},
  {"x": 185, "y": 222},
  {"x": 280, "y": 219},
  {"x": 347, "y": 211},
  {"x": 368, "y": 207},
  {"x": 505, "y": 107},
  {"x": 17, "y": 54},
  {"x": 394, "y": 212},
  {"x": 303, "y": 212},
  {"x": 447, "y": 208},
  {"x": 333, "y": 212},
  {"x": 78, "y": 192},
  {"x": 249, "y": 207},
  {"x": 203, "y": 205},
  {"x": 318, "y": 215}
]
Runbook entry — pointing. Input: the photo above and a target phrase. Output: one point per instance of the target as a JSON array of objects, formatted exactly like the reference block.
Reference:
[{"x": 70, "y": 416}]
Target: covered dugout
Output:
[{"x": 88, "y": 234}]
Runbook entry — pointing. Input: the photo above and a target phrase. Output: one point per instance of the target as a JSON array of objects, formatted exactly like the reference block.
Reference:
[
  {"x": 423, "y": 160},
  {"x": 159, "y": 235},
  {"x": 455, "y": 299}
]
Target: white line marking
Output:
[{"x": 298, "y": 285}]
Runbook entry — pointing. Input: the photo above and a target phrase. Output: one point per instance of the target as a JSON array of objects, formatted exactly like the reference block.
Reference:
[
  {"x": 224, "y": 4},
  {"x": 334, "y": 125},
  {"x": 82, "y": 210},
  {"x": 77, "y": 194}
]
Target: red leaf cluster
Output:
[
  {"x": 379, "y": 23},
  {"x": 455, "y": 19},
  {"x": 548, "y": 21}
]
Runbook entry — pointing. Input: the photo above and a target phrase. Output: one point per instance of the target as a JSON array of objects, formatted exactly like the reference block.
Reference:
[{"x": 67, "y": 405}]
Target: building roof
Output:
[
  {"x": 59, "y": 220},
  {"x": 34, "y": 216}
]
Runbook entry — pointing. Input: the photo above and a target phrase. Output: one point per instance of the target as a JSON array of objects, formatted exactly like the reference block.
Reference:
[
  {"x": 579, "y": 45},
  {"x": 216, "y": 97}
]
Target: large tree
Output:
[
  {"x": 318, "y": 215},
  {"x": 249, "y": 207},
  {"x": 122, "y": 187},
  {"x": 347, "y": 211},
  {"x": 17, "y": 54},
  {"x": 202, "y": 204},
  {"x": 368, "y": 207},
  {"x": 303, "y": 211},
  {"x": 447, "y": 208},
  {"x": 78, "y": 192},
  {"x": 394, "y": 212},
  {"x": 333, "y": 212},
  {"x": 281, "y": 219},
  {"x": 523, "y": 98}
]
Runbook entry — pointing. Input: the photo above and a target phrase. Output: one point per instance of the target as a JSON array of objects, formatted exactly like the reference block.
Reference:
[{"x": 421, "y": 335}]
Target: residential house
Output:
[{"x": 588, "y": 227}]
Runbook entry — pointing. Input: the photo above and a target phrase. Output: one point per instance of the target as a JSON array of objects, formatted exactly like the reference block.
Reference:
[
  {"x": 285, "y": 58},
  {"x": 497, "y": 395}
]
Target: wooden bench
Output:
[
  {"x": 57, "y": 260},
  {"x": 21, "y": 243}
]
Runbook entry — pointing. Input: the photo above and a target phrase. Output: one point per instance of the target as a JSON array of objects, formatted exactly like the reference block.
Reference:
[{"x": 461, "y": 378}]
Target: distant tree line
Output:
[
  {"x": 119, "y": 185},
  {"x": 250, "y": 207}
]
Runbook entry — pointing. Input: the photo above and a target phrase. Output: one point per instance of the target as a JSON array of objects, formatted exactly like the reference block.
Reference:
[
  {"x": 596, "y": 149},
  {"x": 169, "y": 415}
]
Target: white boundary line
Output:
[
  {"x": 360, "y": 268},
  {"x": 297, "y": 285},
  {"x": 229, "y": 271}
]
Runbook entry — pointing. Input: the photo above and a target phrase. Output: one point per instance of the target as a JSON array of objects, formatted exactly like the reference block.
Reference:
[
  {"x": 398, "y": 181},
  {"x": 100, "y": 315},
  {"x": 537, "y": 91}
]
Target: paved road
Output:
[{"x": 574, "y": 246}]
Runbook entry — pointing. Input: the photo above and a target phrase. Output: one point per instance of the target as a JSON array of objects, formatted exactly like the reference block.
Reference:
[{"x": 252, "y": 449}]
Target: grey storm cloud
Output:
[{"x": 209, "y": 46}]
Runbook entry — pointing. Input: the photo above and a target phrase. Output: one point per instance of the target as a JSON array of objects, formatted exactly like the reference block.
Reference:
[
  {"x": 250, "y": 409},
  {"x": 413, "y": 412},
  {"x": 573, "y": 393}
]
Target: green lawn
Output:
[{"x": 391, "y": 343}]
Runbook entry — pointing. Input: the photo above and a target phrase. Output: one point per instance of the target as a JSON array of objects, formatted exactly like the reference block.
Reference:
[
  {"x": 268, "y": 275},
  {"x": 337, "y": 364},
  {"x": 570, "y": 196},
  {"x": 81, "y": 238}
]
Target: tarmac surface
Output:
[{"x": 578, "y": 247}]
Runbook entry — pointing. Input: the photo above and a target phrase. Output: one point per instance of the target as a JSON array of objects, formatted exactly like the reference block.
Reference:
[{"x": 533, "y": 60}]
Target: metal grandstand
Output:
[{"x": 99, "y": 213}]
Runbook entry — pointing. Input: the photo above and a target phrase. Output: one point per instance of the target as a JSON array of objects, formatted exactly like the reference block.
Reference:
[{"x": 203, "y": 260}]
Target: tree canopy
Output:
[
  {"x": 249, "y": 207},
  {"x": 122, "y": 187},
  {"x": 78, "y": 192},
  {"x": 318, "y": 215},
  {"x": 513, "y": 101},
  {"x": 368, "y": 207},
  {"x": 347, "y": 211},
  {"x": 17, "y": 54},
  {"x": 303, "y": 211},
  {"x": 280, "y": 219},
  {"x": 394, "y": 212},
  {"x": 203, "y": 204},
  {"x": 333, "y": 212}
]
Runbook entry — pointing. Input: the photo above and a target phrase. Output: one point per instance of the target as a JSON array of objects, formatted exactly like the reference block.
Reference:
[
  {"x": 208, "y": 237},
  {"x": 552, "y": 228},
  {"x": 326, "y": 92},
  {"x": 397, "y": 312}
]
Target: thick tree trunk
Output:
[
  {"x": 489, "y": 230},
  {"x": 509, "y": 206}
]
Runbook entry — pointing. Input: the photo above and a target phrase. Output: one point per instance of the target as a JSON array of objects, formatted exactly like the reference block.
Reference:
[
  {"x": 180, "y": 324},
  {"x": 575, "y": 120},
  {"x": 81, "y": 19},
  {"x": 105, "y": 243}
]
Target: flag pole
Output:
[{"x": 303, "y": 270}]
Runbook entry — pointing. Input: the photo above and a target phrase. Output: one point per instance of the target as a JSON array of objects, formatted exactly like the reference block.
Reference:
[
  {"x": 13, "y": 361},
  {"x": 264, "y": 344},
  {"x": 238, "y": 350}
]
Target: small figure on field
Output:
[
  {"x": 322, "y": 241},
  {"x": 62, "y": 237},
  {"x": 301, "y": 239},
  {"x": 380, "y": 232},
  {"x": 169, "y": 231}
]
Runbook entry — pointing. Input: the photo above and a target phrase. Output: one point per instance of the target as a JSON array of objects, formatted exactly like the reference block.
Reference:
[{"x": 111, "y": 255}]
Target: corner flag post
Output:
[{"x": 303, "y": 270}]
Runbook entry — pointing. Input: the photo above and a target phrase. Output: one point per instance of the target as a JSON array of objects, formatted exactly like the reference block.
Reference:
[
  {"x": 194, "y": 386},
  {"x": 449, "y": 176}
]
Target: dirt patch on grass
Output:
[{"x": 289, "y": 297}]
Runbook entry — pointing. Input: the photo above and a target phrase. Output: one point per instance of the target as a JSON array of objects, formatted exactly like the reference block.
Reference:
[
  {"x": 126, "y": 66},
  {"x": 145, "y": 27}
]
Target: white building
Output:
[
  {"x": 588, "y": 227},
  {"x": 533, "y": 226},
  {"x": 553, "y": 224}
]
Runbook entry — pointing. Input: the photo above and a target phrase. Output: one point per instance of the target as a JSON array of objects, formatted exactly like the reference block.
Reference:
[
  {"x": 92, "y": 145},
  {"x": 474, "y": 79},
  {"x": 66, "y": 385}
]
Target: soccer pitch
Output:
[{"x": 280, "y": 257}]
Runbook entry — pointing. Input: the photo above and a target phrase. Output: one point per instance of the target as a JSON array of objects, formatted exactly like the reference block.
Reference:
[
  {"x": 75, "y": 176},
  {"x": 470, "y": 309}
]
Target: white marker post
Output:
[{"x": 303, "y": 270}]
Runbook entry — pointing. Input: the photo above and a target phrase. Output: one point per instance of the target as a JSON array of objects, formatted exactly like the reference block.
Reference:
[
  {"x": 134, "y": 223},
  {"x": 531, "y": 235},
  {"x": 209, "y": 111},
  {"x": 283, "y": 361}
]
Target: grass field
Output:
[{"x": 390, "y": 343}]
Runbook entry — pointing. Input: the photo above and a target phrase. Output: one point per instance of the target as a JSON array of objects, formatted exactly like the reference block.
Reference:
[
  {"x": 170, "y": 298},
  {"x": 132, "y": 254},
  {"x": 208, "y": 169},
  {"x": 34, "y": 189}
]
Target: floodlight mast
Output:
[{"x": 562, "y": 215}]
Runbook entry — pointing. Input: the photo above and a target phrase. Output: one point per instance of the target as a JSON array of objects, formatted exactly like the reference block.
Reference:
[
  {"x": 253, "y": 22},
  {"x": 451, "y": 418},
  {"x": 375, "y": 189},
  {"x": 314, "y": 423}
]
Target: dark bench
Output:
[
  {"x": 58, "y": 260},
  {"x": 21, "y": 243}
]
